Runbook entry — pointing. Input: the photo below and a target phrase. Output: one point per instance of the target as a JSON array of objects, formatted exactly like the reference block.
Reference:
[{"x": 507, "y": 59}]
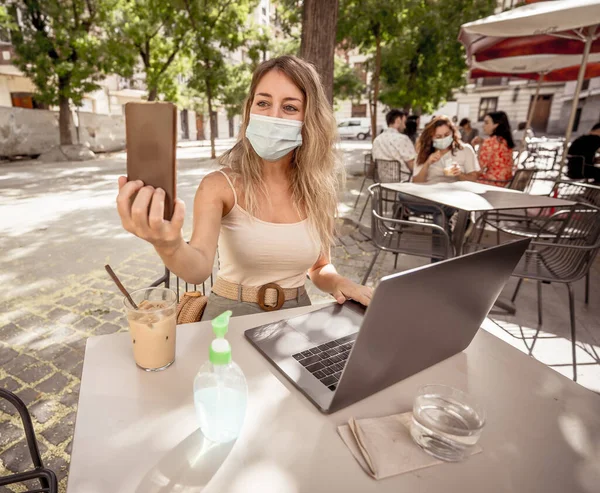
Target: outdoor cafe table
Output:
[
  {"x": 137, "y": 431},
  {"x": 467, "y": 197}
]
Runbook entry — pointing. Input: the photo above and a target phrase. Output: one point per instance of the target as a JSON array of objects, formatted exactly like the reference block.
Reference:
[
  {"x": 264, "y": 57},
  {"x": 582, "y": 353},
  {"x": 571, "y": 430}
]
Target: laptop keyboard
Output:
[{"x": 327, "y": 361}]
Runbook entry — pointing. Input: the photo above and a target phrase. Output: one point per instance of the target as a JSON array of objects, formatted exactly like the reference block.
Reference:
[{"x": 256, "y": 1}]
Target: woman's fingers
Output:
[
  {"x": 140, "y": 207},
  {"x": 339, "y": 296},
  {"x": 126, "y": 191},
  {"x": 157, "y": 210},
  {"x": 178, "y": 215}
]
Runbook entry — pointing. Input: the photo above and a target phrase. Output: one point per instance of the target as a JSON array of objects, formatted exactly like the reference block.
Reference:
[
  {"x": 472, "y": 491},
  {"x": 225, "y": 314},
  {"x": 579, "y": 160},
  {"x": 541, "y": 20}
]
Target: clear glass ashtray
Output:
[{"x": 446, "y": 422}]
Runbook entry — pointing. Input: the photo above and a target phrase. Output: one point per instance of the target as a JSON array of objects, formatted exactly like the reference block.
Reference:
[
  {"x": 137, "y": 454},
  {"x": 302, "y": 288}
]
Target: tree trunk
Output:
[
  {"x": 152, "y": 94},
  {"x": 211, "y": 119},
  {"x": 65, "y": 121},
  {"x": 376, "y": 75},
  {"x": 317, "y": 45}
]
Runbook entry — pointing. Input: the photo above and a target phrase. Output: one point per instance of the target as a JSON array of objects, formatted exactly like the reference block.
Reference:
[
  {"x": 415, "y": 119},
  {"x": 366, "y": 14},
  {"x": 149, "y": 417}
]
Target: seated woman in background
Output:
[
  {"x": 442, "y": 157},
  {"x": 495, "y": 152}
]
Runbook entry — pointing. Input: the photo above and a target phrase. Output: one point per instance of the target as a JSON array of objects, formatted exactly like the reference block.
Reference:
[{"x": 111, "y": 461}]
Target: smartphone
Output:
[{"x": 151, "y": 142}]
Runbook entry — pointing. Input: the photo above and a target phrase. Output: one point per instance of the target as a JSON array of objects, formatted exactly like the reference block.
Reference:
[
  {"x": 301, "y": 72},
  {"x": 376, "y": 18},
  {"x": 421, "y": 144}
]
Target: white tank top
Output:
[{"x": 254, "y": 252}]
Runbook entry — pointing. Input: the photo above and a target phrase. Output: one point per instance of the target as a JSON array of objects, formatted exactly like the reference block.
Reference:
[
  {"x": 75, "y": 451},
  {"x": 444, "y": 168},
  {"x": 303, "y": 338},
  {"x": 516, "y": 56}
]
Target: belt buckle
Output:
[{"x": 261, "y": 296}]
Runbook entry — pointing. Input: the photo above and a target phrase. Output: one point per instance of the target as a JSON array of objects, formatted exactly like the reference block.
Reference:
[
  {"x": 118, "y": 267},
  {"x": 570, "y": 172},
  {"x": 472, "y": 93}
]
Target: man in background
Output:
[
  {"x": 467, "y": 132},
  {"x": 392, "y": 144},
  {"x": 582, "y": 154}
]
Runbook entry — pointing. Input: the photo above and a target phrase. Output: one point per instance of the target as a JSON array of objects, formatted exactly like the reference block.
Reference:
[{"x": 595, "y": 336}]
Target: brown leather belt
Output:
[{"x": 269, "y": 297}]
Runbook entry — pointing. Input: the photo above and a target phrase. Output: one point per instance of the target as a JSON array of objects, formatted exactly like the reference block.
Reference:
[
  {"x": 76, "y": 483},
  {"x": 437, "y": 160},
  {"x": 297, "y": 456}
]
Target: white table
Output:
[
  {"x": 466, "y": 197},
  {"x": 137, "y": 431}
]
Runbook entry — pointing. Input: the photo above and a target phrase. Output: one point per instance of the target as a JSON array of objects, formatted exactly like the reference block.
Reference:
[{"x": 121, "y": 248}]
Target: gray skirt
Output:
[{"x": 217, "y": 305}]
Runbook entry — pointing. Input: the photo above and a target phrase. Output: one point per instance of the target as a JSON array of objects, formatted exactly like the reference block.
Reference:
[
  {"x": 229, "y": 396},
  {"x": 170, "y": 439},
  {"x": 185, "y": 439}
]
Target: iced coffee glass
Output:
[{"x": 152, "y": 327}]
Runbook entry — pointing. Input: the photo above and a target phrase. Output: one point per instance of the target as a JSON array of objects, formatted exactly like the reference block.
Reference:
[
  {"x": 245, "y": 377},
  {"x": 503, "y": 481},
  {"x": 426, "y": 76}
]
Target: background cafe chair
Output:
[
  {"x": 46, "y": 477},
  {"x": 521, "y": 181},
  {"x": 181, "y": 287},
  {"x": 369, "y": 174},
  {"x": 165, "y": 280},
  {"x": 387, "y": 171},
  {"x": 538, "y": 225},
  {"x": 389, "y": 234},
  {"x": 564, "y": 258},
  {"x": 527, "y": 224}
]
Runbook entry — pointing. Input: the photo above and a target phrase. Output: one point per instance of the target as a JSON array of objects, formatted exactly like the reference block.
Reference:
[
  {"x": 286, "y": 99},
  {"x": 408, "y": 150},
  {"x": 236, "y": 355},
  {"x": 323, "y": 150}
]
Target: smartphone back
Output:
[{"x": 151, "y": 133}]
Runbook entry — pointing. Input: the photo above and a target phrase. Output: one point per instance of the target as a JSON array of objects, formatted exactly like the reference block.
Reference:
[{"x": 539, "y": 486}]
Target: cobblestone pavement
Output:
[{"x": 59, "y": 227}]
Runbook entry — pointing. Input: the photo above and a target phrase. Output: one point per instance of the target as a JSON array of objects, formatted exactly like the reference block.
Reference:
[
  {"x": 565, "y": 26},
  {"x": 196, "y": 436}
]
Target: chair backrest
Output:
[
  {"x": 390, "y": 172},
  {"x": 583, "y": 193},
  {"x": 522, "y": 180},
  {"x": 181, "y": 287},
  {"x": 369, "y": 166},
  {"x": 390, "y": 233},
  {"x": 580, "y": 228}
]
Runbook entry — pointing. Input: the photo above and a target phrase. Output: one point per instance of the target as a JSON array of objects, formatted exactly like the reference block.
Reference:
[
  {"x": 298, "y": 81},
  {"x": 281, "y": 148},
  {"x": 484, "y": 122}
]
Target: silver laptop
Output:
[{"x": 341, "y": 354}]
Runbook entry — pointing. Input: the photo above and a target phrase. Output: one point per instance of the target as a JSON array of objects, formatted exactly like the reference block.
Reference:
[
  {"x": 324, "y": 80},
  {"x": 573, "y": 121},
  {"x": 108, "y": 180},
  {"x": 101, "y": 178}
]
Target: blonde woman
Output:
[{"x": 270, "y": 209}]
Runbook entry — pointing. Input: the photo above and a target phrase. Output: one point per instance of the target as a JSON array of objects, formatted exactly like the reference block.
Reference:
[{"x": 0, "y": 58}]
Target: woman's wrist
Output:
[{"x": 168, "y": 250}]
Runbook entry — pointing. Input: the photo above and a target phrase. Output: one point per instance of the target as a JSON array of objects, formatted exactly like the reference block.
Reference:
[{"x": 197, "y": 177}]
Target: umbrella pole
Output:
[
  {"x": 584, "y": 60},
  {"x": 534, "y": 104}
]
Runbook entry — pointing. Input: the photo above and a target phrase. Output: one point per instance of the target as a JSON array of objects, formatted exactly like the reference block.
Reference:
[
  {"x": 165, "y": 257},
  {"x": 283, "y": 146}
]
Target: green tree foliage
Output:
[
  {"x": 368, "y": 25},
  {"x": 416, "y": 58},
  {"x": 288, "y": 17},
  {"x": 65, "y": 50},
  {"x": 157, "y": 35},
  {"x": 421, "y": 68},
  {"x": 218, "y": 26},
  {"x": 235, "y": 91},
  {"x": 347, "y": 83}
]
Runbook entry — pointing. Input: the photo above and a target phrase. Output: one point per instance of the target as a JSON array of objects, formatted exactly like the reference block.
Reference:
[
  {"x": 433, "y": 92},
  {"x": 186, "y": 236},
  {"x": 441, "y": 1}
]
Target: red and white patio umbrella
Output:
[
  {"x": 561, "y": 27},
  {"x": 541, "y": 67}
]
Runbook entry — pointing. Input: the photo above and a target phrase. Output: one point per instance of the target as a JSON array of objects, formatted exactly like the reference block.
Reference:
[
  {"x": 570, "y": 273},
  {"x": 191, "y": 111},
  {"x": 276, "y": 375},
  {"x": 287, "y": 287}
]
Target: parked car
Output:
[{"x": 354, "y": 128}]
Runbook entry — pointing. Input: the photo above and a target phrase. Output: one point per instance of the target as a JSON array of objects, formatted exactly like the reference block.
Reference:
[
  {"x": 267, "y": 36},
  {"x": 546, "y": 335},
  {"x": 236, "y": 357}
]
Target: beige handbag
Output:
[{"x": 191, "y": 307}]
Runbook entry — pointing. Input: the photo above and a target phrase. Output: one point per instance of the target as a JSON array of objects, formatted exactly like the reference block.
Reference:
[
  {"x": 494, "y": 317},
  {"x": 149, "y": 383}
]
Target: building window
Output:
[
  {"x": 586, "y": 85},
  {"x": 359, "y": 111},
  {"x": 4, "y": 35},
  {"x": 486, "y": 105},
  {"x": 491, "y": 81},
  {"x": 26, "y": 100}
]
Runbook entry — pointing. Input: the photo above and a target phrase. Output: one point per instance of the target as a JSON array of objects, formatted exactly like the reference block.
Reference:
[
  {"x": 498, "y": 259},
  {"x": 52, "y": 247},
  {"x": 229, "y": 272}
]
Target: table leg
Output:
[{"x": 458, "y": 235}]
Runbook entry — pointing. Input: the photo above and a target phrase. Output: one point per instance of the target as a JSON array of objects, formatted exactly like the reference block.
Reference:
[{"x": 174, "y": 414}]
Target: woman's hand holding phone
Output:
[{"x": 144, "y": 215}]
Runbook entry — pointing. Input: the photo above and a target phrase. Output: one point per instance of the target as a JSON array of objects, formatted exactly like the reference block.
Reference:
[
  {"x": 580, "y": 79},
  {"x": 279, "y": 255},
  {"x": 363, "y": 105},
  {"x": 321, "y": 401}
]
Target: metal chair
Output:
[
  {"x": 566, "y": 258},
  {"x": 165, "y": 280},
  {"x": 45, "y": 476},
  {"x": 520, "y": 181},
  {"x": 369, "y": 174},
  {"x": 403, "y": 236},
  {"x": 528, "y": 225},
  {"x": 387, "y": 171}
]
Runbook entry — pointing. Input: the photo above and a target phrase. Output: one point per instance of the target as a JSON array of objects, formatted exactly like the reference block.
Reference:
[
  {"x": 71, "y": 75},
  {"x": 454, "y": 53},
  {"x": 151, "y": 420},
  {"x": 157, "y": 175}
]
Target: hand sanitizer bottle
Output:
[{"x": 220, "y": 390}]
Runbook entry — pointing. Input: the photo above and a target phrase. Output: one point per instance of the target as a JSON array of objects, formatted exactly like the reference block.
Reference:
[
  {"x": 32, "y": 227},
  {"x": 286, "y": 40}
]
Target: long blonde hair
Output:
[{"x": 315, "y": 172}]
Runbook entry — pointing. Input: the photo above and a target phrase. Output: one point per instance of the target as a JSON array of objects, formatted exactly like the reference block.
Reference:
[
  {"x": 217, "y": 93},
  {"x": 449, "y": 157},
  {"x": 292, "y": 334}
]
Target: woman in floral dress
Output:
[{"x": 495, "y": 152}]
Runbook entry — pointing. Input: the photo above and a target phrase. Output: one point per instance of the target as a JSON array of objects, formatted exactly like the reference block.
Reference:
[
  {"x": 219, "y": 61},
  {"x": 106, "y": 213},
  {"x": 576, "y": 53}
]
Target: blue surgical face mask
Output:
[
  {"x": 442, "y": 143},
  {"x": 272, "y": 138}
]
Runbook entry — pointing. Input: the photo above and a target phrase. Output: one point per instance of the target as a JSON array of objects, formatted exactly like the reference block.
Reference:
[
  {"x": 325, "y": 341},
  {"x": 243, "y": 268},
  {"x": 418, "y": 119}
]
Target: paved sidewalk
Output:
[{"x": 59, "y": 227}]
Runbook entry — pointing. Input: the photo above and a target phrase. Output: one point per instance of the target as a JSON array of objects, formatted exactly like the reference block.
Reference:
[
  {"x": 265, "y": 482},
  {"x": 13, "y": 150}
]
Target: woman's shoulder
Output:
[
  {"x": 218, "y": 184},
  {"x": 467, "y": 149}
]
